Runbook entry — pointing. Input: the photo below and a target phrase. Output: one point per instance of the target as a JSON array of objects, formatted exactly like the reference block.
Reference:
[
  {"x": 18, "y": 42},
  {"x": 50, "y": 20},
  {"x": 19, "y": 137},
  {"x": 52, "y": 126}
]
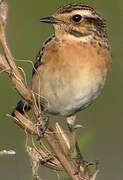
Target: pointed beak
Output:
[{"x": 51, "y": 20}]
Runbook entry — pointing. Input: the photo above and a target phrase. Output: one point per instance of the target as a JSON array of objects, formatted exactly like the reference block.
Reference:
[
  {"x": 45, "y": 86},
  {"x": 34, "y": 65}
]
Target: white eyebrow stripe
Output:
[{"x": 84, "y": 13}]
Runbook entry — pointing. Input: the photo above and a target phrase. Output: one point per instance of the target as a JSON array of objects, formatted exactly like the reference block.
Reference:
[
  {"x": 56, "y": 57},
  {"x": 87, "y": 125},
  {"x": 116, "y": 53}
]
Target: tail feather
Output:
[{"x": 22, "y": 106}]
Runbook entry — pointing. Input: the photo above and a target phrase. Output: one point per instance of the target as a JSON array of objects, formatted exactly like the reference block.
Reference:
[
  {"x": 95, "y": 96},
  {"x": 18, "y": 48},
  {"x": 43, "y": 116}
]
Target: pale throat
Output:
[{"x": 67, "y": 36}]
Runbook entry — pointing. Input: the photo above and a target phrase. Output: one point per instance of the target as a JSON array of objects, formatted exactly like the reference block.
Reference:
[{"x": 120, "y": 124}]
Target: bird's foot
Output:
[
  {"x": 82, "y": 164},
  {"x": 72, "y": 127},
  {"x": 44, "y": 127}
]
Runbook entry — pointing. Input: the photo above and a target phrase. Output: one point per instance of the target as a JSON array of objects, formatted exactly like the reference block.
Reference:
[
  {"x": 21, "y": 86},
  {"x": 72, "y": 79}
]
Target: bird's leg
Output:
[
  {"x": 71, "y": 125},
  {"x": 79, "y": 155},
  {"x": 81, "y": 162},
  {"x": 45, "y": 126}
]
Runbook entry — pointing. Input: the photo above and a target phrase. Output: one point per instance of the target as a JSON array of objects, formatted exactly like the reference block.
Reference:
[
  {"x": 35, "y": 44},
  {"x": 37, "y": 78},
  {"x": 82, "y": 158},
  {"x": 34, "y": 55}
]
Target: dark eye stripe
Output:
[{"x": 95, "y": 20}]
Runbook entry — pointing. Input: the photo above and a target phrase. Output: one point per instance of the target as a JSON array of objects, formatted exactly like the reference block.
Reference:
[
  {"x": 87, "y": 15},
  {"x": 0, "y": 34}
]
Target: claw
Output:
[
  {"x": 43, "y": 130},
  {"x": 78, "y": 126}
]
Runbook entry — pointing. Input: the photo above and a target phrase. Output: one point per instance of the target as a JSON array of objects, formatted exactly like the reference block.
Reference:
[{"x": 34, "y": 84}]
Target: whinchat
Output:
[{"x": 71, "y": 68}]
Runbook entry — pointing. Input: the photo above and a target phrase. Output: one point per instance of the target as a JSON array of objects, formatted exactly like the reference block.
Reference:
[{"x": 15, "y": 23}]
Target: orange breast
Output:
[{"x": 72, "y": 75}]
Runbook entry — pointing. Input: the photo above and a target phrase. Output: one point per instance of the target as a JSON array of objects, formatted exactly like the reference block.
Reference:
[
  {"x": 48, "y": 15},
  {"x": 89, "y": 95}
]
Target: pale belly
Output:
[
  {"x": 65, "y": 96},
  {"x": 69, "y": 102}
]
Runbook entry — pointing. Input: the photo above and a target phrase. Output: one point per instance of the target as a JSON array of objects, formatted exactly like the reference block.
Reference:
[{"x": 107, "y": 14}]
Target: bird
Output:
[{"x": 72, "y": 66}]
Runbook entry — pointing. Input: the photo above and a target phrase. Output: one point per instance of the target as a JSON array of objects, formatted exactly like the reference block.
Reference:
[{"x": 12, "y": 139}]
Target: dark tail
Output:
[{"x": 22, "y": 107}]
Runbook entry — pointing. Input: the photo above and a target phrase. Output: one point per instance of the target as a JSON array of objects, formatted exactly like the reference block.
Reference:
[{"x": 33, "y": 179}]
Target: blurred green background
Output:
[{"x": 102, "y": 137}]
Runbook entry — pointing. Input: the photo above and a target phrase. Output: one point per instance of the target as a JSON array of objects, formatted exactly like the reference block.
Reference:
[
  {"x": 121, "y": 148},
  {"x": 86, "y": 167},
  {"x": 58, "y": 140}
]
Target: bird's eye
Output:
[{"x": 76, "y": 17}]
